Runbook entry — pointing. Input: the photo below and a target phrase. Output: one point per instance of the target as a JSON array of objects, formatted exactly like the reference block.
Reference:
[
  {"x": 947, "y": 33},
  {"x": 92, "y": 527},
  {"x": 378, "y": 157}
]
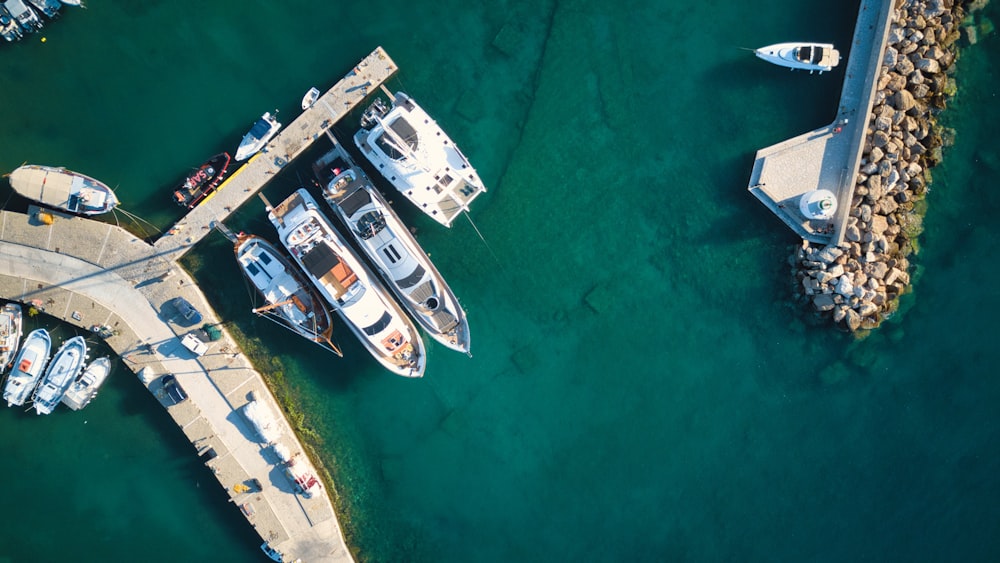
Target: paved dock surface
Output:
[
  {"x": 93, "y": 274},
  {"x": 828, "y": 157}
]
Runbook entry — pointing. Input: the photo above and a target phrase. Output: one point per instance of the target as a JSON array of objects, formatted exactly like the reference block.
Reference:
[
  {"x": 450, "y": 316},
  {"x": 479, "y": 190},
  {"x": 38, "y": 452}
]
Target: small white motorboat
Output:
[
  {"x": 85, "y": 388},
  {"x": 804, "y": 56},
  {"x": 310, "y": 98},
  {"x": 258, "y": 136}
]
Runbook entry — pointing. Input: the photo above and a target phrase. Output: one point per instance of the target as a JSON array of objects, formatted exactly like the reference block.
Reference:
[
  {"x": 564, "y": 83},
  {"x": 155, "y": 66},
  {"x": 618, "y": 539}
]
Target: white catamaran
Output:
[
  {"x": 347, "y": 284},
  {"x": 412, "y": 151}
]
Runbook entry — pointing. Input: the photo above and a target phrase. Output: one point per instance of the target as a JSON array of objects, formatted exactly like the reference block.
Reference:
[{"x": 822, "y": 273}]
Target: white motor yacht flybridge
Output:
[
  {"x": 347, "y": 284},
  {"x": 390, "y": 246},
  {"x": 418, "y": 158},
  {"x": 804, "y": 56}
]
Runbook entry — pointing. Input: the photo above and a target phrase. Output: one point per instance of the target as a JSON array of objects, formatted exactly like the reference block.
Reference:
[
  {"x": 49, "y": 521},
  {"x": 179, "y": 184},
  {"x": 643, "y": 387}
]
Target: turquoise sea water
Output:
[{"x": 641, "y": 388}]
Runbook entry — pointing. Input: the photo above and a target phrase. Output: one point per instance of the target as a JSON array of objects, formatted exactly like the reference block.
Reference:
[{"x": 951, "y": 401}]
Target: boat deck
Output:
[{"x": 828, "y": 157}]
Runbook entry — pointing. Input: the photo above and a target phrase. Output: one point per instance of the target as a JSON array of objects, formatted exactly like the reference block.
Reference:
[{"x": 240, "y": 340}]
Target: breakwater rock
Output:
[{"x": 858, "y": 283}]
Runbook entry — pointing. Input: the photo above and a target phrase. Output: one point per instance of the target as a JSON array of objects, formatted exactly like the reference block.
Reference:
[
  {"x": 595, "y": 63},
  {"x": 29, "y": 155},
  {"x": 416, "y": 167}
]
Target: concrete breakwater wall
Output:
[{"x": 857, "y": 284}]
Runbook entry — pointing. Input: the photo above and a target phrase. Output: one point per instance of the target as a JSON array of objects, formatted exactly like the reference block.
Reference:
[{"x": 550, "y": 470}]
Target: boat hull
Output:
[
  {"x": 63, "y": 189},
  {"x": 404, "y": 266},
  {"x": 418, "y": 158},
  {"x": 64, "y": 368},
  {"x": 290, "y": 298},
  {"x": 819, "y": 57},
  {"x": 28, "y": 367},
  {"x": 202, "y": 182},
  {"x": 262, "y": 131},
  {"x": 10, "y": 334},
  {"x": 344, "y": 281},
  {"x": 84, "y": 389}
]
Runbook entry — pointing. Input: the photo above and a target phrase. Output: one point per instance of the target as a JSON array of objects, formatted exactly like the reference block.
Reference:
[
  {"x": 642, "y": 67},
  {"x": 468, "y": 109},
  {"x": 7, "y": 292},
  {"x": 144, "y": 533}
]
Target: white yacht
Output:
[
  {"x": 291, "y": 300},
  {"x": 390, "y": 246},
  {"x": 347, "y": 284},
  {"x": 258, "y": 136},
  {"x": 84, "y": 389},
  {"x": 10, "y": 333},
  {"x": 28, "y": 367},
  {"x": 804, "y": 56},
  {"x": 63, "y": 370},
  {"x": 418, "y": 158}
]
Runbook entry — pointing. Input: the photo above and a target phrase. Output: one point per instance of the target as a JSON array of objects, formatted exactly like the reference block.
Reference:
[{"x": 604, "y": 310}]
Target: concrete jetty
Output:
[
  {"x": 102, "y": 278},
  {"x": 293, "y": 139},
  {"x": 828, "y": 158}
]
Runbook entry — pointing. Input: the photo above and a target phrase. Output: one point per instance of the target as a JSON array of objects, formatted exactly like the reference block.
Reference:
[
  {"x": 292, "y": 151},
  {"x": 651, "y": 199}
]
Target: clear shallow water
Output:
[{"x": 641, "y": 387}]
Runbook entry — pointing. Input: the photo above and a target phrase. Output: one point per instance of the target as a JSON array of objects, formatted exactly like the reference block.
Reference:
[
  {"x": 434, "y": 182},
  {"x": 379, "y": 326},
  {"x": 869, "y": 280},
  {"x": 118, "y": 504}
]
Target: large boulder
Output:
[
  {"x": 902, "y": 100},
  {"x": 879, "y": 224},
  {"x": 852, "y": 320},
  {"x": 878, "y": 270},
  {"x": 866, "y": 309},
  {"x": 880, "y": 138},
  {"x": 845, "y": 286},
  {"x": 927, "y": 66},
  {"x": 890, "y": 58},
  {"x": 829, "y": 254},
  {"x": 823, "y": 302}
]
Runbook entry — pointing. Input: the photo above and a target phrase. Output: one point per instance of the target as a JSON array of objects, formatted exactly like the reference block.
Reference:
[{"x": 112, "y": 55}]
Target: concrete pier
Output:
[
  {"x": 829, "y": 157},
  {"x": 100, "y": 277},
  {"x": 293, "y": 139}
]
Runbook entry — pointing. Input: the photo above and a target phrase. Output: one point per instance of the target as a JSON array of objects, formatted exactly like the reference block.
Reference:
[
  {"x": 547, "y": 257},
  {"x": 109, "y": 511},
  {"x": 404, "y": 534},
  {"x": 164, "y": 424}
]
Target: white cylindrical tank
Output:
[{"x": 818, "y": 204}]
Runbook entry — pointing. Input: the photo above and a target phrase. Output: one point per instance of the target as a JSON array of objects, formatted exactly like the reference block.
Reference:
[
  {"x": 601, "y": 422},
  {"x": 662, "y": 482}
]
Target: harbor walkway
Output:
[
  {"x": 829, "y": 157},
  {"x": 52, "y": 275},
  {"x": 100, "y": 277}
]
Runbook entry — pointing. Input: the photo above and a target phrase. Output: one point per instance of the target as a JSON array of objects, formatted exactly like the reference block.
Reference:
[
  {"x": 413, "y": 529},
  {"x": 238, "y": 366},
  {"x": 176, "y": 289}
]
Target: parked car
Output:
[
  {"x": 172, "y": 389},
  {"x": 187, "y": 311},
  {"x": 196, "y": 345}
]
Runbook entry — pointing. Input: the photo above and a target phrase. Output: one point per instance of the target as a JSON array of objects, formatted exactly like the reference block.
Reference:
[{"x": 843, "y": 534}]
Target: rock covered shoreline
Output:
[{"x": 858, "y": 283}]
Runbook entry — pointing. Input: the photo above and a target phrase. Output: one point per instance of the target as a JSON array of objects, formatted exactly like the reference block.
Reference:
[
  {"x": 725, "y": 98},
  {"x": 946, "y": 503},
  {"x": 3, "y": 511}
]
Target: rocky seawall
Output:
[{"x": 858, "y": 283}]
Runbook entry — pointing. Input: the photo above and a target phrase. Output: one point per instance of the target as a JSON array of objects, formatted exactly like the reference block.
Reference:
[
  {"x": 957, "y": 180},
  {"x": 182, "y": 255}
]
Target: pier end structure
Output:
[{"x": 828, "y": 158}]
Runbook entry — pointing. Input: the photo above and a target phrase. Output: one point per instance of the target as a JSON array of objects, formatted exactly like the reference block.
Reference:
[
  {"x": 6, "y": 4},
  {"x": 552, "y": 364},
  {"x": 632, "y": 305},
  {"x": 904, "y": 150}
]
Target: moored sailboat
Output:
[
  {"x": 28, "y": 367},
  {"x": 291, "y": 300},
  {"x": 347, "y": 284},
  {"x": 393, "y": 250}
]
